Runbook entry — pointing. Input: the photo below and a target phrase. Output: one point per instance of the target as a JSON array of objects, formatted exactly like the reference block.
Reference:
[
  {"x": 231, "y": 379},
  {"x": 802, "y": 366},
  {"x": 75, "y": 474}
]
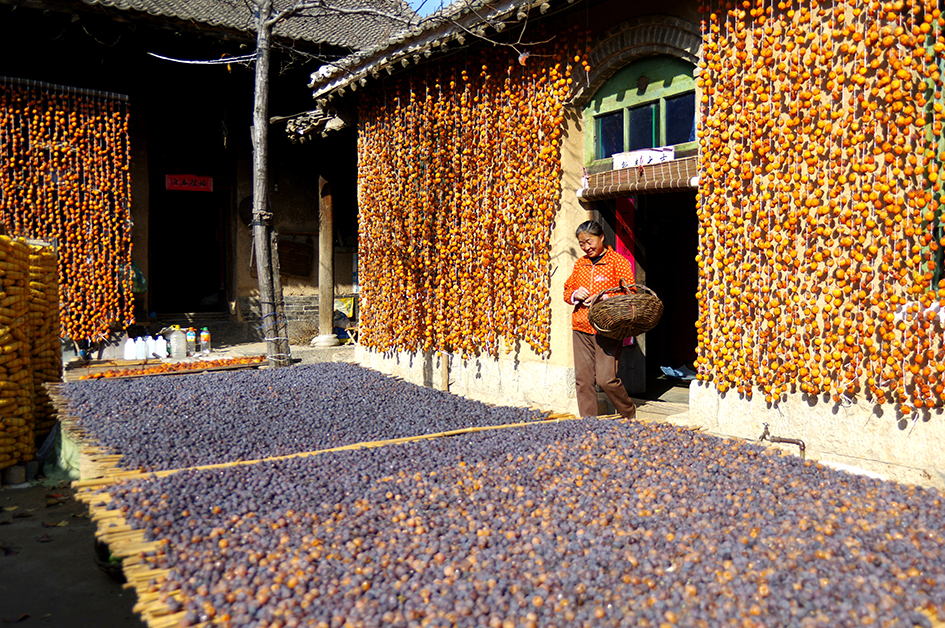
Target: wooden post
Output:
[
  {"x": 326, "y": 259},
  {"x": 283, "y": 353},
  {"x": 444, "y": 371}
]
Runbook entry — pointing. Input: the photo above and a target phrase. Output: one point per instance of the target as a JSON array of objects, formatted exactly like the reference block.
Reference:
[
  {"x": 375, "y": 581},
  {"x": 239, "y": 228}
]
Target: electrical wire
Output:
[{"x": 226, "y": 60}]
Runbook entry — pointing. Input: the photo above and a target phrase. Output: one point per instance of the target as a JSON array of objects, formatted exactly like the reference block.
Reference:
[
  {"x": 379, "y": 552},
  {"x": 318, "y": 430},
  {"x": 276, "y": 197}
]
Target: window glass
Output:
[
  {"x": 646, "y": 104},
  {"x": 681, "y": 119},
  {"x": 609, "y": 134},
  {"x": 643, "y": 127}
]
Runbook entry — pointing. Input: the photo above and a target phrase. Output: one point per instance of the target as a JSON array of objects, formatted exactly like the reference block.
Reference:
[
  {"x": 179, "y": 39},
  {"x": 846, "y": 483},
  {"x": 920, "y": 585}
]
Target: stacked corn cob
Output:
[
  {"x": 44, "y": 333},
  {"x": 17, "y": 436}
]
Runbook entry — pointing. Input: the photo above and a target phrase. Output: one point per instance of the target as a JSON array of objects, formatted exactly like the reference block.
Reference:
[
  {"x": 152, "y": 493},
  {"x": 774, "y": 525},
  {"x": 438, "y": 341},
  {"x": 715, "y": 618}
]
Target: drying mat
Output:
[
  {"x": 75, "y": 372},
  {"x": 111, "y": 472},
  {"x": 141, "y": 558},
  {"x": 138, "y": 555},
  {"x": 104, "y": 466}
]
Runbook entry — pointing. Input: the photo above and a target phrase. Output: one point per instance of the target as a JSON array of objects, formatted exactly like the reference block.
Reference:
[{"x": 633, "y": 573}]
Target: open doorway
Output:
[
  {"x": 188, "y": 252},
  {"x": 659, "y": 232},
  {"x": 192, "y": 158}
]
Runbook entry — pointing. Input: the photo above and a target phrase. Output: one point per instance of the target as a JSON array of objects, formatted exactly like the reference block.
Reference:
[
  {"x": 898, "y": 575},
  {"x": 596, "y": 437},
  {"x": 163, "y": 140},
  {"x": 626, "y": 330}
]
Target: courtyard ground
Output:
[{"x": 48, "y": 574}]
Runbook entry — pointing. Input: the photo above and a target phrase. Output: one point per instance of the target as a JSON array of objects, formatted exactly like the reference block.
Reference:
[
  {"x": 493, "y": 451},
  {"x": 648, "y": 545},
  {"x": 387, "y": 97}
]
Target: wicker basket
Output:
[{"x": 625, "y": 315}]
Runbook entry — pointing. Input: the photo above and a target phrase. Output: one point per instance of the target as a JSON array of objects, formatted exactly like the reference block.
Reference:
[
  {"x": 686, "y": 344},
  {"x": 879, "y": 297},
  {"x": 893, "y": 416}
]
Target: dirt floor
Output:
[{"x": 48, "y": 573}]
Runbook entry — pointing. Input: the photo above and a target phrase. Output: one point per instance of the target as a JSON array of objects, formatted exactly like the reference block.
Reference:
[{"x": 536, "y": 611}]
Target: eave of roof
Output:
[
  {"x": 322, "y": 26},
  {"x": 466, "y": 19}
]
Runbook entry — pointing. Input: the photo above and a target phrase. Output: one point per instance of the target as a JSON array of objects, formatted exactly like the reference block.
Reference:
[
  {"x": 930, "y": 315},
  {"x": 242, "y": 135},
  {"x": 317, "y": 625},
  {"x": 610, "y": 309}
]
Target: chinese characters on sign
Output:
[
  {"x": 188, "y": 183},
  {"x": 643, "y": 157}
]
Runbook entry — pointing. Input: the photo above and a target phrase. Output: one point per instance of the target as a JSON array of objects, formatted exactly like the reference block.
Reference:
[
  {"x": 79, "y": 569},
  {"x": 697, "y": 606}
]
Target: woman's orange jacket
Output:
[{"x": 605, "y": 274}]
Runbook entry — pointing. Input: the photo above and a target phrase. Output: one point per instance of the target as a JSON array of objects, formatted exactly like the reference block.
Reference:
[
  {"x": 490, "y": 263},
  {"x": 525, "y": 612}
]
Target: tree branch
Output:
[{"x": 298, "y": 9}]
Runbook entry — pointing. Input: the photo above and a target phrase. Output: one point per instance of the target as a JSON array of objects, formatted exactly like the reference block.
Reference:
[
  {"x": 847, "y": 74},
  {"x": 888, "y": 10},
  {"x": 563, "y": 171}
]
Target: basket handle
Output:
[
  {"x": 640, "y": 285},
  {"x": 623, "y": 288}
]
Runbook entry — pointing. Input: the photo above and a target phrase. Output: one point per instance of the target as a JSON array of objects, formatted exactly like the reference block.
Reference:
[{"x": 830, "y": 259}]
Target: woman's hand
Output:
[{"x": 580, "y": 295}]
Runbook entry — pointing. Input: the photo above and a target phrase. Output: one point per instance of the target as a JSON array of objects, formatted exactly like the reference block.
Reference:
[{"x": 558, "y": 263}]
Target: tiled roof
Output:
[
  {"x": 461, "y": 21},
  {"x": 339, "y": 23}
]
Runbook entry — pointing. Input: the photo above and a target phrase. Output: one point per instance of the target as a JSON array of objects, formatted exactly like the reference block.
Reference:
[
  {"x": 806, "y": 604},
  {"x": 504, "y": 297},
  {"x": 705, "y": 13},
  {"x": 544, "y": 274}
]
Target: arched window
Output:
[{"x": 648, "y": 104}]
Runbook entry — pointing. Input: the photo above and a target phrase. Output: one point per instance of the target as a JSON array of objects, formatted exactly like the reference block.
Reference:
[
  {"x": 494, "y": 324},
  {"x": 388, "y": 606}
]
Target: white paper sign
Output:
[{"x": 642, "y": 157}]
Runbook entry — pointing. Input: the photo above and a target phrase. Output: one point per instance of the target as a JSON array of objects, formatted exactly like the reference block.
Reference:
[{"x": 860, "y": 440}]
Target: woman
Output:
[{"x": 596, "y": 356}]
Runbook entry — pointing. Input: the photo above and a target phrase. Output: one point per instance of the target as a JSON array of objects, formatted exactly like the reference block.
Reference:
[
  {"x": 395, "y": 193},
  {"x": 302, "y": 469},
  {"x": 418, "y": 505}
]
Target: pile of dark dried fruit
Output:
[
  {"x": 577, "y": 523},
  {"x": 176, "y": 422}
]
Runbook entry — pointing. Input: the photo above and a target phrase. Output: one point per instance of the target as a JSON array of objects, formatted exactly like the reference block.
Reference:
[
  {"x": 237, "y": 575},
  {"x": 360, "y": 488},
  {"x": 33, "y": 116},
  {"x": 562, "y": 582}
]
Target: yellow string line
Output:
[{"x": 111, "y": 479}]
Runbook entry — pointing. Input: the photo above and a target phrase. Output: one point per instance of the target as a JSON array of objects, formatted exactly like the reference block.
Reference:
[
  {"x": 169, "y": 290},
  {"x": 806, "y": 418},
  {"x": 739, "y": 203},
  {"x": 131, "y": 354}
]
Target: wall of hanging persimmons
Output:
[
  {"x": 64, "y": 157},
  {"x": 819, "y": 200},
  {"x": 459, "y": 177}
]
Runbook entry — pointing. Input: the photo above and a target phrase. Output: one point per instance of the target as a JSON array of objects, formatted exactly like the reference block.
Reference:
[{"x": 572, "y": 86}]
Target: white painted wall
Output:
[
  {"x": 501, "y": 381},
  {"x": 861, "y": 435}
]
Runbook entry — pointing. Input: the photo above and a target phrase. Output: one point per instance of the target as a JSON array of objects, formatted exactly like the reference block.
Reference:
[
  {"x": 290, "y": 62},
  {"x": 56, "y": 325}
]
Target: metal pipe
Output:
[{"x": 778, "y": 439}]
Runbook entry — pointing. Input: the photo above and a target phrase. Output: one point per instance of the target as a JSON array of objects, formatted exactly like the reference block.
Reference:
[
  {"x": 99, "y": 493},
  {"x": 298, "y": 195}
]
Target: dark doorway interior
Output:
[
  {"x": 194, "y": 135},
  {"x": 668, "y": 228},
  {"x": 665, "y": 242},
  {"x": 187, "y": 243}
]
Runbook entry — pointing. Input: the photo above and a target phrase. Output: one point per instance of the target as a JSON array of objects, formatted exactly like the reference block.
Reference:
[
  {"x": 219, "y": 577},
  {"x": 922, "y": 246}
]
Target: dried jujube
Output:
[
  {"x": 575, "y": 523},
  {"x": 172, "y": 422}
]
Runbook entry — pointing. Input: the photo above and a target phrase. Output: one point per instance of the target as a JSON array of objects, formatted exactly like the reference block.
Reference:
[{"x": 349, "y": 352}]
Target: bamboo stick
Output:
[
  {"x": 98, "y": 517},
  {"x": 118, "y": 474},
  {"x": 137, "y": 535},
  {"x": 146, "y": 576},
  {"x": 123, "y": 550},
  {"x": 121, "y": 528},
  {"x": 168, "y": 621}
]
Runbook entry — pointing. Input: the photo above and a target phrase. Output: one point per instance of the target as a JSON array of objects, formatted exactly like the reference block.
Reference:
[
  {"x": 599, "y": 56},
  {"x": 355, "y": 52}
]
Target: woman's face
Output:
[{"x": 592, "y": 245}]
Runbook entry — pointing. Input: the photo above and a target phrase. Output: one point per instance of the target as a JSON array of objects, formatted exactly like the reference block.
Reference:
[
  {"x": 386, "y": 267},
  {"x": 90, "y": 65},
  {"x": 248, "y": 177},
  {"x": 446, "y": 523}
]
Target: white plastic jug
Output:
[
  {"x": 129, "y": 351},
  {"x": 141, "y": 348},
  {"x": 152, "y": 346},
  {"x": 160, "y": 347}
]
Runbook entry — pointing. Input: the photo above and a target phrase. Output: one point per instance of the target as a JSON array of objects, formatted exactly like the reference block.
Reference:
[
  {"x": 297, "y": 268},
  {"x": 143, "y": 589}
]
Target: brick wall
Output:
[
  {"x": 635, "y": 39},
  {"x": 297, "y": 308}
]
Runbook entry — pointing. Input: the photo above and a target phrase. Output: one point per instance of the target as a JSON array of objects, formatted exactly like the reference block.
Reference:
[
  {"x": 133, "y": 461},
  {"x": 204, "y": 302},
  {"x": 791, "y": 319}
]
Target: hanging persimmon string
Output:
[
  {"x": 460, "y": 181},
  {"x": 819, "y": 200},
  {"x": 64, "y": 177}
]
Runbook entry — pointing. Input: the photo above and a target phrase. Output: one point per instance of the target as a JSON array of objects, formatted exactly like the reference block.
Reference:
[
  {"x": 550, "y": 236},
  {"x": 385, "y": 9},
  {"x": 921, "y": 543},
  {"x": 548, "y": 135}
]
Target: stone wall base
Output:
[
  {"x": 862, "y": 435},
  {"x": 498, "y": 381}
]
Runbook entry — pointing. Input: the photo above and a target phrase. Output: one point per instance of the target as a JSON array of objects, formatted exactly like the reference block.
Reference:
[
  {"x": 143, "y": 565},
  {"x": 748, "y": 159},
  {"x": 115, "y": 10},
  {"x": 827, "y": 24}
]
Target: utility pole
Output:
[{"x": 270, "y": 302}]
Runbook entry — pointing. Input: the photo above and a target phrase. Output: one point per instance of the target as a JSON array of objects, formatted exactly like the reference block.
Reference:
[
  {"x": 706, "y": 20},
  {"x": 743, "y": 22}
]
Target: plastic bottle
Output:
[
  {"x": 160, "y": 347},
  {"x": 141, "y": 348},
  {"x": 152, "y": 346},
  {"x": 129, "y": 351},
  {"x": 178, "y": 343},
  {"x": 191, "y": 341},
  {"x": 205, "y": 341}
]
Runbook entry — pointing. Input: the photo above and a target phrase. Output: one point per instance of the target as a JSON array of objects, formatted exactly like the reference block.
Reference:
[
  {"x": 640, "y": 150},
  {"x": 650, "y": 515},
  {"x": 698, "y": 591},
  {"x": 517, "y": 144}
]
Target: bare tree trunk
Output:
[
  {"x": 326, "y": 259},
  {"x": 276, "y": 348}
]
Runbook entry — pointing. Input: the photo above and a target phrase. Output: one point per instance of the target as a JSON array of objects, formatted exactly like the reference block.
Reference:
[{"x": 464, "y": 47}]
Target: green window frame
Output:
[{"x": 632, "y": 109}]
